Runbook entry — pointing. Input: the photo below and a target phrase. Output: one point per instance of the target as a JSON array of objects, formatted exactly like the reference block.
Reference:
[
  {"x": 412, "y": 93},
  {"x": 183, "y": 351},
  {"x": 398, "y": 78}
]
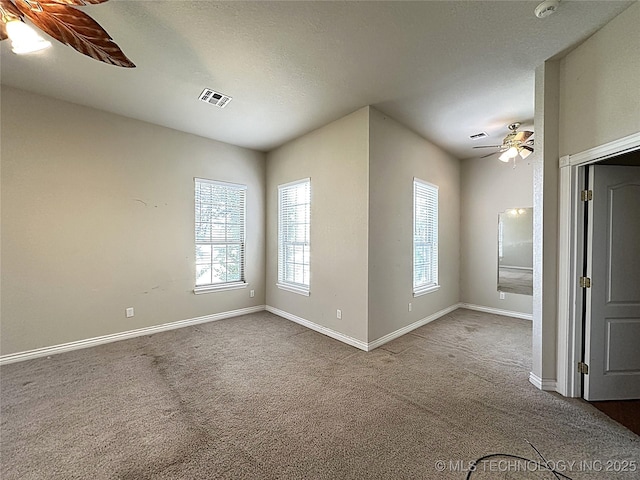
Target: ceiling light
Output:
[
  {"x": 24, "y": 39},
  {"x": 525, "y": 152},
  {"x": 512, "y": 152},
  {"x": 63, "y": 21},
  {"x": 509, "y": 154},
  {"x": 514, "y": 144}
]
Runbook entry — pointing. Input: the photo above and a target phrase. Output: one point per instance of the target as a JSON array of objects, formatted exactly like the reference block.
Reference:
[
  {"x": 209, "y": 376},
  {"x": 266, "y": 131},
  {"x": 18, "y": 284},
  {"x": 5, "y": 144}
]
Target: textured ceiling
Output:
[{"x": 445, "y": 69}]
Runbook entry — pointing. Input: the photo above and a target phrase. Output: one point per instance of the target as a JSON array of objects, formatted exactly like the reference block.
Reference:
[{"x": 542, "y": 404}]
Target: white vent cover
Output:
[
  {"x": 214, "y": 98},
  {"x": 478, "y": 135}
]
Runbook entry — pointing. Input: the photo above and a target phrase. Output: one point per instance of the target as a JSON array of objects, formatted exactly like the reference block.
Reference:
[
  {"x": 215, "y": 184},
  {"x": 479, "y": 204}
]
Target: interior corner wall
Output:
[
  {"x": 335, "y": 157},
  {"x": 489, "y": 187},
  {"x": 396, "y": 156},
  {"x": 546, "y": 172},
  {"x": 97, "y": 216},
  {"x": 600, "y": 86},
  {"x": 597, "y": 99}
]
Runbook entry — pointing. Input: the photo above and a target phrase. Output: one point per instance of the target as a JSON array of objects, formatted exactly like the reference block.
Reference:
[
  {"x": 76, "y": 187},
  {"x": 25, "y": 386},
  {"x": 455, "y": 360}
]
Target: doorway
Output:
[
  {"x": 572, "y": 246},
  {"x": 611, "y": 313},
  {"x": 610, "y": 281}
]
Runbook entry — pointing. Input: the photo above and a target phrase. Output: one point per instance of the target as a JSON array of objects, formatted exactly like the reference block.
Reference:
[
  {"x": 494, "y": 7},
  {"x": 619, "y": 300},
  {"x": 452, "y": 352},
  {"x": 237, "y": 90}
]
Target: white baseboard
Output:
[
  {"x": 404, "y": 330},
  {"x": 114, "y": 337},
  {"x": 546, "y": 384},
  {"x": 354, "y": 342},
  {"x": 497, "y": 311}
]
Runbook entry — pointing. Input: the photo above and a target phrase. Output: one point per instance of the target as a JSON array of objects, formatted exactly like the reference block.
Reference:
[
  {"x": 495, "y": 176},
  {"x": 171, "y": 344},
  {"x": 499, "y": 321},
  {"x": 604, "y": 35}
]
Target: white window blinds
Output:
[
  {"x": 425, "y": 236},
  {"x": 294, "y": 223},
  {"x": 219, "y": 232}
]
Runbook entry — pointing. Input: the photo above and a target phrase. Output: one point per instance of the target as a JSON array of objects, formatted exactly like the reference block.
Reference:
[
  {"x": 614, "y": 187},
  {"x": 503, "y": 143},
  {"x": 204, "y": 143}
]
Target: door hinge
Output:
[
  {"x": 586, "y": 195},
  {"x": 583, "y": 368},
  {"x": 585, "y": 282}
]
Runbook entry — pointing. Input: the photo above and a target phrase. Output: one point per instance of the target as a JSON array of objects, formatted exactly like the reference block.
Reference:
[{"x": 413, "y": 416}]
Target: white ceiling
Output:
[{"x": 445, "y": 69}]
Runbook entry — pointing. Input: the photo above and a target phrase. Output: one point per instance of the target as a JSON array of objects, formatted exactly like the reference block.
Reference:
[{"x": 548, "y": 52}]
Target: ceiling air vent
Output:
[
  {"x": 214, "y": 98},
  {"x": 478, "y": 135}
]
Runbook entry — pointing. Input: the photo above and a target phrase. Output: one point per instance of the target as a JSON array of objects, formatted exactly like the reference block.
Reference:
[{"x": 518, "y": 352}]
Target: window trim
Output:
[
  {"x": 282, "y": 284},
  {"x": 418, "y": 292},
  {"x": 434, "y": 286},
  {"x": 289, "y": 288},
  {"x": 217, "y": 287}
]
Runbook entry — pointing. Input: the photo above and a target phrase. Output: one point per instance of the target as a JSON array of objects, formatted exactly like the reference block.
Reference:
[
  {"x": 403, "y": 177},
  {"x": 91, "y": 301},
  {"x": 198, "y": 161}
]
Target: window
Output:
[
  {"x": 294, "y": 219},
  {"x": 425, "y": 237},
  {"x": 219, "y": 234}
]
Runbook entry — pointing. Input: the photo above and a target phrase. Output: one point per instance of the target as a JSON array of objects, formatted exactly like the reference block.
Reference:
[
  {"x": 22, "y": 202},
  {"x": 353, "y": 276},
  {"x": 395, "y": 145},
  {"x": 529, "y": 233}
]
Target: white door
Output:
[{"x": 612, "y": 330}]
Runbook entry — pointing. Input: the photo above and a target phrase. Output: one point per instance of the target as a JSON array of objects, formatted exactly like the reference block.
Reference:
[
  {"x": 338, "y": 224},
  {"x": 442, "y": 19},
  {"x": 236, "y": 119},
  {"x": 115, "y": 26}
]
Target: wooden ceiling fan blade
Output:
[
  {"x": 488, "y": 146},
  {"x": 76, "y": 29},
  {"x": 79, "y": 3},
  {"x": 490, "y": 154},
  {"x": 522, "y": 136},
  {"x": 6, "y": 6}
]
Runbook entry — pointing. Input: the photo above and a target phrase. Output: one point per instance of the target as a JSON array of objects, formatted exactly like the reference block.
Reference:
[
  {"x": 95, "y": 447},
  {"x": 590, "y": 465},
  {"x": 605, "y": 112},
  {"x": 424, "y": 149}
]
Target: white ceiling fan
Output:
[{"x": 514, "y": 144}]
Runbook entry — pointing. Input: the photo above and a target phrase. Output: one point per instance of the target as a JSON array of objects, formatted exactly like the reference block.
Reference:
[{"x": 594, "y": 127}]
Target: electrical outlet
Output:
[
  {"x": 252, "y": 293},
  {"x": 129, "y": 312},
  {"x": 338, "y": 314},
  {"x": 410, "y": 306},
  {"x": 501, "y": 295}
]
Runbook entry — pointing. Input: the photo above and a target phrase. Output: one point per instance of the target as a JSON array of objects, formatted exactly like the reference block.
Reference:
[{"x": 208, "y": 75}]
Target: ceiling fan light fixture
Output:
[
  {"x": 504, "y": 157},
  {"x": 512, "y": 152},
  {"x": 514, "y": 144},
  {"x": 525, "y": 152},
  {"x": 61, "y": 20},
  {"x": 24, "y": 39}
]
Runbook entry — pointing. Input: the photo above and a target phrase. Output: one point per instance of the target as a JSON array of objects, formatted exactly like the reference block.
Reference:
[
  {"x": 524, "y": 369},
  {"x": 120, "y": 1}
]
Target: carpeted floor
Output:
[{"x": 259, "y": 397}]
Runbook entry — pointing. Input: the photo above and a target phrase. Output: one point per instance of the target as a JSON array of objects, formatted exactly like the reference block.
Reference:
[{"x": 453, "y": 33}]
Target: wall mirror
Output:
[{"x": 515, "y": 251}]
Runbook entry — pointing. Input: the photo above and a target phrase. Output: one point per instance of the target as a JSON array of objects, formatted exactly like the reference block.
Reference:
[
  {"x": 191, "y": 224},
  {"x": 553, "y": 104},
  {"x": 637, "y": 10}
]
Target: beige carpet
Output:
[{"x": 259, "y": 397}]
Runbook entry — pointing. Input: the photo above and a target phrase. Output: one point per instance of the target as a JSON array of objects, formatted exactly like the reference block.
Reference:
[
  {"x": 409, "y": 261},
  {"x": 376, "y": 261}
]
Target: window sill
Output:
[
  {"x": 219, "y": 288},
  {"x": 424, "y": 290},
  {"x": 290, "y": 288}
]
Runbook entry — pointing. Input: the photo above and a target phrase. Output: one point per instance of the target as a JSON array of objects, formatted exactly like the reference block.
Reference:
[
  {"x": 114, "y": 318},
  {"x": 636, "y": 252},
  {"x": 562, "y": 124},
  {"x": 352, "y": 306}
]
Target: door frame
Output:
[{"x": 570, "y": 255}]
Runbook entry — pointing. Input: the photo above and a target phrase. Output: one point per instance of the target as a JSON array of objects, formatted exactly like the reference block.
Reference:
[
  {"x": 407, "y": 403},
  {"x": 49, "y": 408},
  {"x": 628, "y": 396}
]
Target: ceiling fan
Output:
[
  {"x": 64, "y": 22},
  {"x": 514, "y": 144}
]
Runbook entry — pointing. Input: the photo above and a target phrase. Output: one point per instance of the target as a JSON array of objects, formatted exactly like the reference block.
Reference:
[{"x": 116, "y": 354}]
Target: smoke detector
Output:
[
  {"x": 546, "y": 8},
  {"x": 214, "y": 98}
]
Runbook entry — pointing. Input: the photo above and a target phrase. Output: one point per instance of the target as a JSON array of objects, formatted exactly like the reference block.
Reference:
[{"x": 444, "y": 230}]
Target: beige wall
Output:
[
  {"x": 588, "y": 98},
  {"x": 97, "y": 216},
  {"x": 335, "y": 157},
  {"x": 545, "y": 222},
  {"x": 397, "y": 155},
  {"x": 600, "y": 86},
  {"x": 489, "y": 187}
]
